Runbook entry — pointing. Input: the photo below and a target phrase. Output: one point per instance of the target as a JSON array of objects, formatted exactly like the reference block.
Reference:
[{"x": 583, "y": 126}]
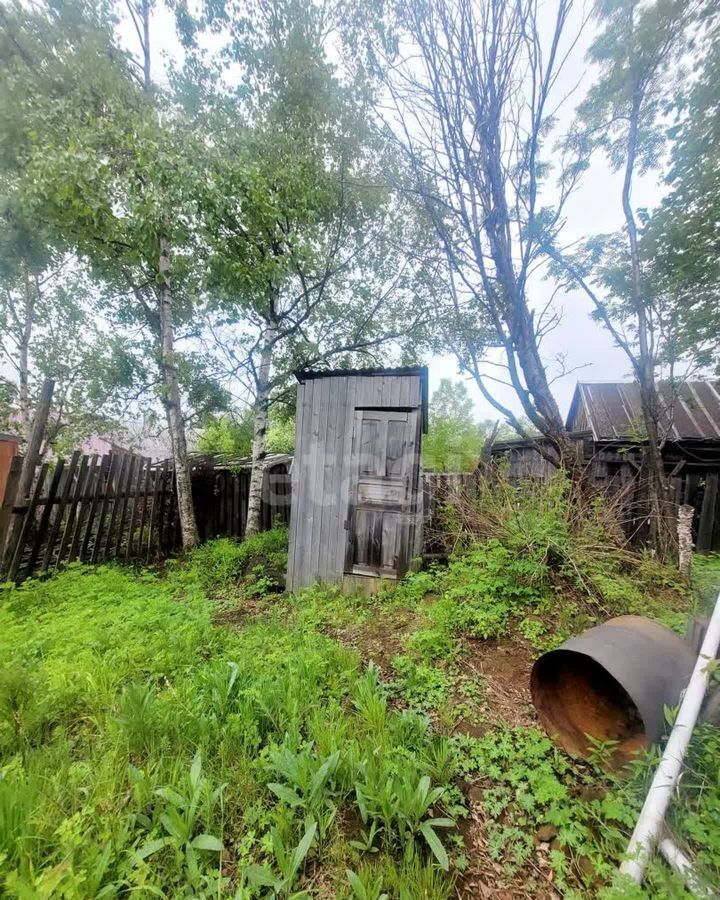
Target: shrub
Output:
[
  {"x": 223, "y": 562},
  {"x": 542, "y": 557}
]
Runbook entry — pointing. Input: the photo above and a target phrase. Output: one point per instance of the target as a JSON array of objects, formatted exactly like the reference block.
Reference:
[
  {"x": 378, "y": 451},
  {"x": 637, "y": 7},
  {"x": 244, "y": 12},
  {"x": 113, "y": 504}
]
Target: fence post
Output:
[
  {"x": 685, "y": 541},
  {"x": 29, "y": 461}
]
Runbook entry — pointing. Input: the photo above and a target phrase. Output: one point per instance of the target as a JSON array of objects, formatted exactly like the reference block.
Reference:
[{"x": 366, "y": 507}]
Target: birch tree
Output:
[
  {"x": 306, "y": 253},
  {"x": 111, "y": 165}
]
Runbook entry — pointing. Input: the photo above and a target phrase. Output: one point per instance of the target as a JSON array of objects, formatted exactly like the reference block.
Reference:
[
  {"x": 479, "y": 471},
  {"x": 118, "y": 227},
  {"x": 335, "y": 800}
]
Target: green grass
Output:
[
  {"x": 706, "y": 580},
  {"x": 137, "y": 738},
  {"x": 146, "y": 749}
]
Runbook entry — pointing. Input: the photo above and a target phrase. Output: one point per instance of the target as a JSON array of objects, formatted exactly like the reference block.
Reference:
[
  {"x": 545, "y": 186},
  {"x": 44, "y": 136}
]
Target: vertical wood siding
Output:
[{"x": 321, "y": 470}]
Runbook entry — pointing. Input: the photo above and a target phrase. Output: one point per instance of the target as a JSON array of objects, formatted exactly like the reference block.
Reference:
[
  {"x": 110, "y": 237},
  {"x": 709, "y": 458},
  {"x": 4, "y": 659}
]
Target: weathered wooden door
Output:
[{"x": 383, "y": 493}]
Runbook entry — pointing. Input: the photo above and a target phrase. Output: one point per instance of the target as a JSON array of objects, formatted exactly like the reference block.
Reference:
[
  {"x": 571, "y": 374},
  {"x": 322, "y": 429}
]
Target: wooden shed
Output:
[
  {"x": 605, "y": 419},
  {"x": 356, "y": 515}
]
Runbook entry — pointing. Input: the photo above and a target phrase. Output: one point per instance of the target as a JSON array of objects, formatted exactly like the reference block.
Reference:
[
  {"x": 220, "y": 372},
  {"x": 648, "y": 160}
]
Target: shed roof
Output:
[
  {"x": 420, "y": 371},
  {"x": 228, "y": 461},
  {"x": 690, "y": 411}
]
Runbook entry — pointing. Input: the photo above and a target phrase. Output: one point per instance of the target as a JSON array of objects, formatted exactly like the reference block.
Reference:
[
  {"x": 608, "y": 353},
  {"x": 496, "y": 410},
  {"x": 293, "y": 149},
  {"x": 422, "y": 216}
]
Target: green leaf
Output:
[
  {"x": 285, "y": 793},
  {"x": 151, "y": 847},
  {"x": 323, "y": 772},
  {"x": 302, "y": 848},
  {"x": 172, "y": 796},
  {"x": 441, "y": 823},
  {"x": 356, "y": 885},
  {"x": 435, "y": 845},
  {"x": 260, "y": 876},
  {"x": 207, "y": 842},
  {"x": 196, "y": 769}
]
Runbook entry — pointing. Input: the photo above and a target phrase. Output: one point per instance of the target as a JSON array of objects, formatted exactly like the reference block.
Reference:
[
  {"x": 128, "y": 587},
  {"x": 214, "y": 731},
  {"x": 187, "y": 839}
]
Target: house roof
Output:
[{"x": 690, "y": 411}]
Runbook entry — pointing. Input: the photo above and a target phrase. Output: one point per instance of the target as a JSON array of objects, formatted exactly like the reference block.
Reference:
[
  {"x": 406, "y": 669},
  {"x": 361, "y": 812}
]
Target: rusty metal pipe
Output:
[{"x": 612, "y": 682}]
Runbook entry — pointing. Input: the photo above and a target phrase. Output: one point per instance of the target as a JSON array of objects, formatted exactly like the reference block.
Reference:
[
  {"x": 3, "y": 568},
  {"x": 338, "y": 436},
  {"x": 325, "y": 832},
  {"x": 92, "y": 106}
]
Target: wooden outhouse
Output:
[{"x": 356, "y": 514}]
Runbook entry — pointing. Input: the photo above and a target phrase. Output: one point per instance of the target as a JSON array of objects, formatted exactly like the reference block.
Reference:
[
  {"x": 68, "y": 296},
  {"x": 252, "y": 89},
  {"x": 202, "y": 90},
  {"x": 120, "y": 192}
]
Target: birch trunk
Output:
[
  {"x": 172, "y": 403},
  {"x": 260, "y": 424}
]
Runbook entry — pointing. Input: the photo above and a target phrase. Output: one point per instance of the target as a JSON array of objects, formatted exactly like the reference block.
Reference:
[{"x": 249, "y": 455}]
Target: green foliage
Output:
[
  {"x": 532, "y": 792},
  {"x": 421, "y": 686},
  {"x": 145, "y": 749},
  {"x": 454, "y": 439},
  {"x": 232, "y": 435},
  {"x": 706, "y": 579},
  {"x": 539, "y": 558},
  {"x": 679, "y": 241},
  {"x": 224, "y": 562},
  {"x": 281, "y": 435},
  {"x": 183, "y": 813},
  {"x": 227, "y": 434},
  {"x": 528, "y": 784}
]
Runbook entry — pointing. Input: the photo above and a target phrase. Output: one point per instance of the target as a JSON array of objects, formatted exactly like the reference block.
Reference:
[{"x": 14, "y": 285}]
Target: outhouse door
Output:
[{"x": 383, "y": 492}]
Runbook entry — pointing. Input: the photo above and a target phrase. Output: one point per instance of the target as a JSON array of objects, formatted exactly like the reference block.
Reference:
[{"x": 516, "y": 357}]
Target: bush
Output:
[
  {"x": 258, "y": 559},
  {"x": 540, "y": 557}
]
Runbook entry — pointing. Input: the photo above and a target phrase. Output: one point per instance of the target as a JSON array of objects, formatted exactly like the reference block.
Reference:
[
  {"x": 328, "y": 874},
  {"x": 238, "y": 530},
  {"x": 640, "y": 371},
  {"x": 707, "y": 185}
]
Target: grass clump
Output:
[{"x": 259, "y": 562}]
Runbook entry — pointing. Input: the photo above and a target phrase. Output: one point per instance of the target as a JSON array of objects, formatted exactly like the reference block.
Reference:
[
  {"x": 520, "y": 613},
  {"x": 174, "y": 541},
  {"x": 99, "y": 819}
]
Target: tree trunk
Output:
[
  {"x": 685, "y": 541},
  {"x": 259, "y": 445},
  {"x": 550, "y": 421},
  {"x": 661, "y": 536},
  {"x": 145, "y": 15},
  {"x": 24, "y": 358},
  {"x": 172, "y": 404}
]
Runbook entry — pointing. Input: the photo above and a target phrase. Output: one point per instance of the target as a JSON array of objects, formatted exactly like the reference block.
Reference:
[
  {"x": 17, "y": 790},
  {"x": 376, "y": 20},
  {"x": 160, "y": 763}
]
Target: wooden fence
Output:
[
  {"x": 121, "y": 506},
  {"x": 439, "y": 489},
  {"x": 90, "y": 508},
  {"x": 220, "y": 495}
]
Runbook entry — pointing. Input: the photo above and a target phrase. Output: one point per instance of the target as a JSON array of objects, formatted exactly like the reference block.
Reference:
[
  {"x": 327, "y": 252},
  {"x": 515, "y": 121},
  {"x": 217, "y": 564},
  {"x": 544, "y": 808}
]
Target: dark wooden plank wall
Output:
[
  {"x": 321, "y": 473},
  {"x": 220, "y": 498},
  {"x": 87, "y": 509},
  {"x": 614, "y": 468}
]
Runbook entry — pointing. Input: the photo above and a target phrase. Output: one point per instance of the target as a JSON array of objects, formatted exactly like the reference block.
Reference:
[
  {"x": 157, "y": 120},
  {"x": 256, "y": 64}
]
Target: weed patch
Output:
[{"x": 259, "y": 562}]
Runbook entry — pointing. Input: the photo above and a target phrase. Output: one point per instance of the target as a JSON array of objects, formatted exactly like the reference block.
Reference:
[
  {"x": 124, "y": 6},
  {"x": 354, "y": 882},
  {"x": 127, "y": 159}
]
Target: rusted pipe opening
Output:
[{"x": 575, "y": 696}]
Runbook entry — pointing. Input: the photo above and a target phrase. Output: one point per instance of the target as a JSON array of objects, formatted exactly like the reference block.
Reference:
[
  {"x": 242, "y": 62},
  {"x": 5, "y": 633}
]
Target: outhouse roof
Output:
[{"x": 420, "y": 371}]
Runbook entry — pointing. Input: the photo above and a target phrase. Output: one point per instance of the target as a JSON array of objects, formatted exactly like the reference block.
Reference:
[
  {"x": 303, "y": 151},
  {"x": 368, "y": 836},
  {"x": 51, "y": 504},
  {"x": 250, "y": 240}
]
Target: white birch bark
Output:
[
  {"x": 260, "y": 424},
  {"x": 173, "y": 405}
]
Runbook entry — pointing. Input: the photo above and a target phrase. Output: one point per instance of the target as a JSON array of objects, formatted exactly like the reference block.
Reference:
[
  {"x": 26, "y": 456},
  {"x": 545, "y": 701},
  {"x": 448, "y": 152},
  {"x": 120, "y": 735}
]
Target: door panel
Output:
[
  {"x": 385, "y": 465},
  {"x": 381, "y": 493}
]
